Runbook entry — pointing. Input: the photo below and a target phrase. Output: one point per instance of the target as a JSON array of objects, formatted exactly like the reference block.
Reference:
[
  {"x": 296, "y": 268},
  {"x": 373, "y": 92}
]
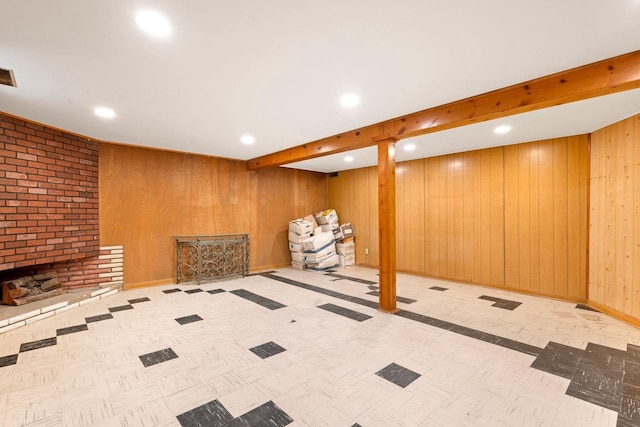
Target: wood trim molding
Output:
[{"x": 605, "y": 77}]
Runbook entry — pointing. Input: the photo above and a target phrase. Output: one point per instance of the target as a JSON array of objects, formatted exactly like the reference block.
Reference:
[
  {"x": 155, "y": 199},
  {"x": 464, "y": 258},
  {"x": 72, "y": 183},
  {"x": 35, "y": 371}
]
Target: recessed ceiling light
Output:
[
  {"x": 502, "y": 129},
  {"x": 349, "y": 100},
  {"x": 247, "y": 139},
  {"x": 348, "y": 159},
  {"x": 409, "y": 147},
  {"x": 104, "y": 112},
  {"x": 153, "y": 23}
]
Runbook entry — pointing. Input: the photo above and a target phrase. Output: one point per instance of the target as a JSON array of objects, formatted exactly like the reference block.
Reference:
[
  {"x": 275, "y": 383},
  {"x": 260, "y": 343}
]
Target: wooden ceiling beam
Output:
[{"x": 588, "y": 81}]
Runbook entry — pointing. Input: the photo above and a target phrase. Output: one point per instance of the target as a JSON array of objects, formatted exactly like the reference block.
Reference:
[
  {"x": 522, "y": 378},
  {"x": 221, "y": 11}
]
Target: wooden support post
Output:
[{"x": 387, "y": 223}]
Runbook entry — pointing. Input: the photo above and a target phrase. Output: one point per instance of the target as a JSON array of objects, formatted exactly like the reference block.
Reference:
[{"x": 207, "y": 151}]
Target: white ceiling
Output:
[{"x": 277, "y": 69}]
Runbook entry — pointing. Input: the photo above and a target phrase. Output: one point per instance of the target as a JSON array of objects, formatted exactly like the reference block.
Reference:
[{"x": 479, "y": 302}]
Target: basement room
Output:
[{"x": 333, "y": 214}]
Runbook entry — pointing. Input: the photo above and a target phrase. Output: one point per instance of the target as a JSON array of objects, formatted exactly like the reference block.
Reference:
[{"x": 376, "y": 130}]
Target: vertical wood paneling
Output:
[
  {"x": 614, "y": 238},
  {"x": 149, "y": 196},
  {"x": 512, "y": 217}
]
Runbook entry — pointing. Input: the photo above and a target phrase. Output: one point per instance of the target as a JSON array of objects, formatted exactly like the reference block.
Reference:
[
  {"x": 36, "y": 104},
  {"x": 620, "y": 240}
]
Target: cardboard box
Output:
[
  {"x": 297, "y": 256},
  {"x": 337, "y": 235},
  {"x": 317, "y": 242},
  {"x": 328, "y": 216},
  {"x": 317, "y": 230},
  {"x": 346, "y": 248},
  {"x": 312, "y": 257},
  {"x": 298, "y": 265},
  {"x": 330, "y": 262},
  {"x": 297, "y": 238},
  {"x": 347, "y": 230},
  {"x": 301, "y": 226},
  {"x": 330, "y": 227},
  {"x": 345, "y": 261},
  {"x": 295, "y": 247},
  {"x": 312, "y": 220}
]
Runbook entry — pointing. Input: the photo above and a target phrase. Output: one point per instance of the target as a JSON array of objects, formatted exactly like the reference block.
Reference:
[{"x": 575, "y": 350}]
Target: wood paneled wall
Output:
[
  {"x": 546, "y": 199},
  {"x": 614, "y": 239},
  {"x": 149, "y": 196},
  {"x": 496, "y": 217}
]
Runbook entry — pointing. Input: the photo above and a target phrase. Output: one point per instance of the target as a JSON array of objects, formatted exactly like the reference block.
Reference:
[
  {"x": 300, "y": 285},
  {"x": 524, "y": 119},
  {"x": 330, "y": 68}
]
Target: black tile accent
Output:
[
  {"x": 559, "y": 359},
  {"x": 265, "y": 302},
  {"x": 597, "y": 397},
  {"x": 137, "y": 300},
  {"x": 72, "y": 329},
  {"x": 170, "y": 291},
  {"x": 503, "y": 342},
  {"x": 331, "y": 273},
  {"x": 156, "y": 357},
  {"x": 8, "y": 360},
  {"x": 633, "y": 353},
  {"x": 193, "y": 291},
  {"x": 373, "y": 288},
  {"x": 209, "y": 414},
  {"x": 33, "y": 345},
  {"x": 98, "y": 318},
  {"x": 216, "y": 291},
  {"x": 351, "y": 314},
  {"x": 356, "y": 425},
  {"x": 438, "y": 288},
  {"x": 265, "y": 415},
  {"x": 260, "y": 273},
  {"x": 502, "y": 303},
  {"x": 356, "y": 300},
  {"x": 586, "y": 307},
  {"x": 120, "y": 308},
  {"x": 398, "y": 298},
  {"x": 471, "y": 333},
  {"x": 267, "y": 350},
  {"x": 188, "y": 319},
  {"x": 398, "y": 375},
  {"x": 630, "y": 404}
]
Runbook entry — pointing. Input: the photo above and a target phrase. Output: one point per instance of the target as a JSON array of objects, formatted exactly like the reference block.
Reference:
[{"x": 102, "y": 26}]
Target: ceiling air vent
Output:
[{"x": 7, "y": 78}]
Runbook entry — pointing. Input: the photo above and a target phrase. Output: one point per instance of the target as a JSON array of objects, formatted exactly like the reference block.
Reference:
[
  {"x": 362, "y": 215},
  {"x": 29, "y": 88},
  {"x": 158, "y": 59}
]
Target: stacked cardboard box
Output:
[
  {"x": 346, "y": 246},
  {"x": 299, "y": 229},
  {"x": 320, "y": 251}
]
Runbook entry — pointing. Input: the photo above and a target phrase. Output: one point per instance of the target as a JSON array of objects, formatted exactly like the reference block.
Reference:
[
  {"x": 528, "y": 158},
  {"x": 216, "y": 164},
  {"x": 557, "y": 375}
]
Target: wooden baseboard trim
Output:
[
  {"x": 128, "y": 286},
  {"x": 623, "y": 317}
]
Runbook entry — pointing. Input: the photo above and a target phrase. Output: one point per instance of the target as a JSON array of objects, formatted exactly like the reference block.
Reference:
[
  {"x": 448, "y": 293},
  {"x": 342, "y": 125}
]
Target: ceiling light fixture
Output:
[
  {"x": 153, "y": 23},
  {"x": 348, "y": 159},
  {"x": 349, "y": 100},
  {"x": 409, "y": 147},
  {"x": 104, "y": 112},
  {"x": 247, "y": 139},
  {"x": 502, "y": 129}
]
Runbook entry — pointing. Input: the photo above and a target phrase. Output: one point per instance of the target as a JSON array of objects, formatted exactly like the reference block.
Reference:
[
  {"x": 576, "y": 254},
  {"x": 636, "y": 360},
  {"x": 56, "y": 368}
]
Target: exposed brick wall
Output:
[
  {"x": 105, "y": 269},
  {"x": 48, "y": 195}
]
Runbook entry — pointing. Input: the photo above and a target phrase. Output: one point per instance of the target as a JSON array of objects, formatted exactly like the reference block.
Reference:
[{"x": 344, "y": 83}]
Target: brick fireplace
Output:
[{"x": 48, "y": 203}]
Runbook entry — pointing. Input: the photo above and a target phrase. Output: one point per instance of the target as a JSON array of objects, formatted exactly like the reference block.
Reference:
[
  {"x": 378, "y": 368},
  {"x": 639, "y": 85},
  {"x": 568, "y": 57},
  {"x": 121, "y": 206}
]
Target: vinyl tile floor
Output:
[{"x": 308, "y": 348}]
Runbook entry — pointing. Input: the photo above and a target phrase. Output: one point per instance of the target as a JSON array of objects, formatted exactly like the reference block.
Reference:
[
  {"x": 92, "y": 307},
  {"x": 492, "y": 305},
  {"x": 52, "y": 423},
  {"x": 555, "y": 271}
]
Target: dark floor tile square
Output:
[
  {"x": 630, "y": 409},
  {"x": 501, "y": 303},
  {"x": 607, "y": 358},
  {"x": 351, "y": 314},
  {"x": 267, "y": 415},
  {"x": 188, "y": 319},
  {"x": 216, "y": 291},
  {"x": 559, "y": 359},
  {"x": 633, "y": 353},
  {"x": 120, "y": 308},
  {"x": 98, "y": 318},
  {"x": 597, "y": 397},
  {"x": 8, "y": 360},
  {"x": 438, "y": 288},
  {"x": 631, "y": 374},
  {"x": 33, "y": 345},
  {"x": 398, "y": 375},
  {"x": 592, "y": 377},
  {"x": 399, "y": 299},
  {"x": 209, "y": 414},
  {"x": 193, "y": 291},
  {"x": 72, "y": 329},
  {"x": 267, "y": 350},
  {"x": 156, "y": 357},
  {"x": 138, "y": 300},
  {"x": 171, "y": 291},
  {"x": 258, "y": 299},
  {"x": 586, "y": 307}
]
